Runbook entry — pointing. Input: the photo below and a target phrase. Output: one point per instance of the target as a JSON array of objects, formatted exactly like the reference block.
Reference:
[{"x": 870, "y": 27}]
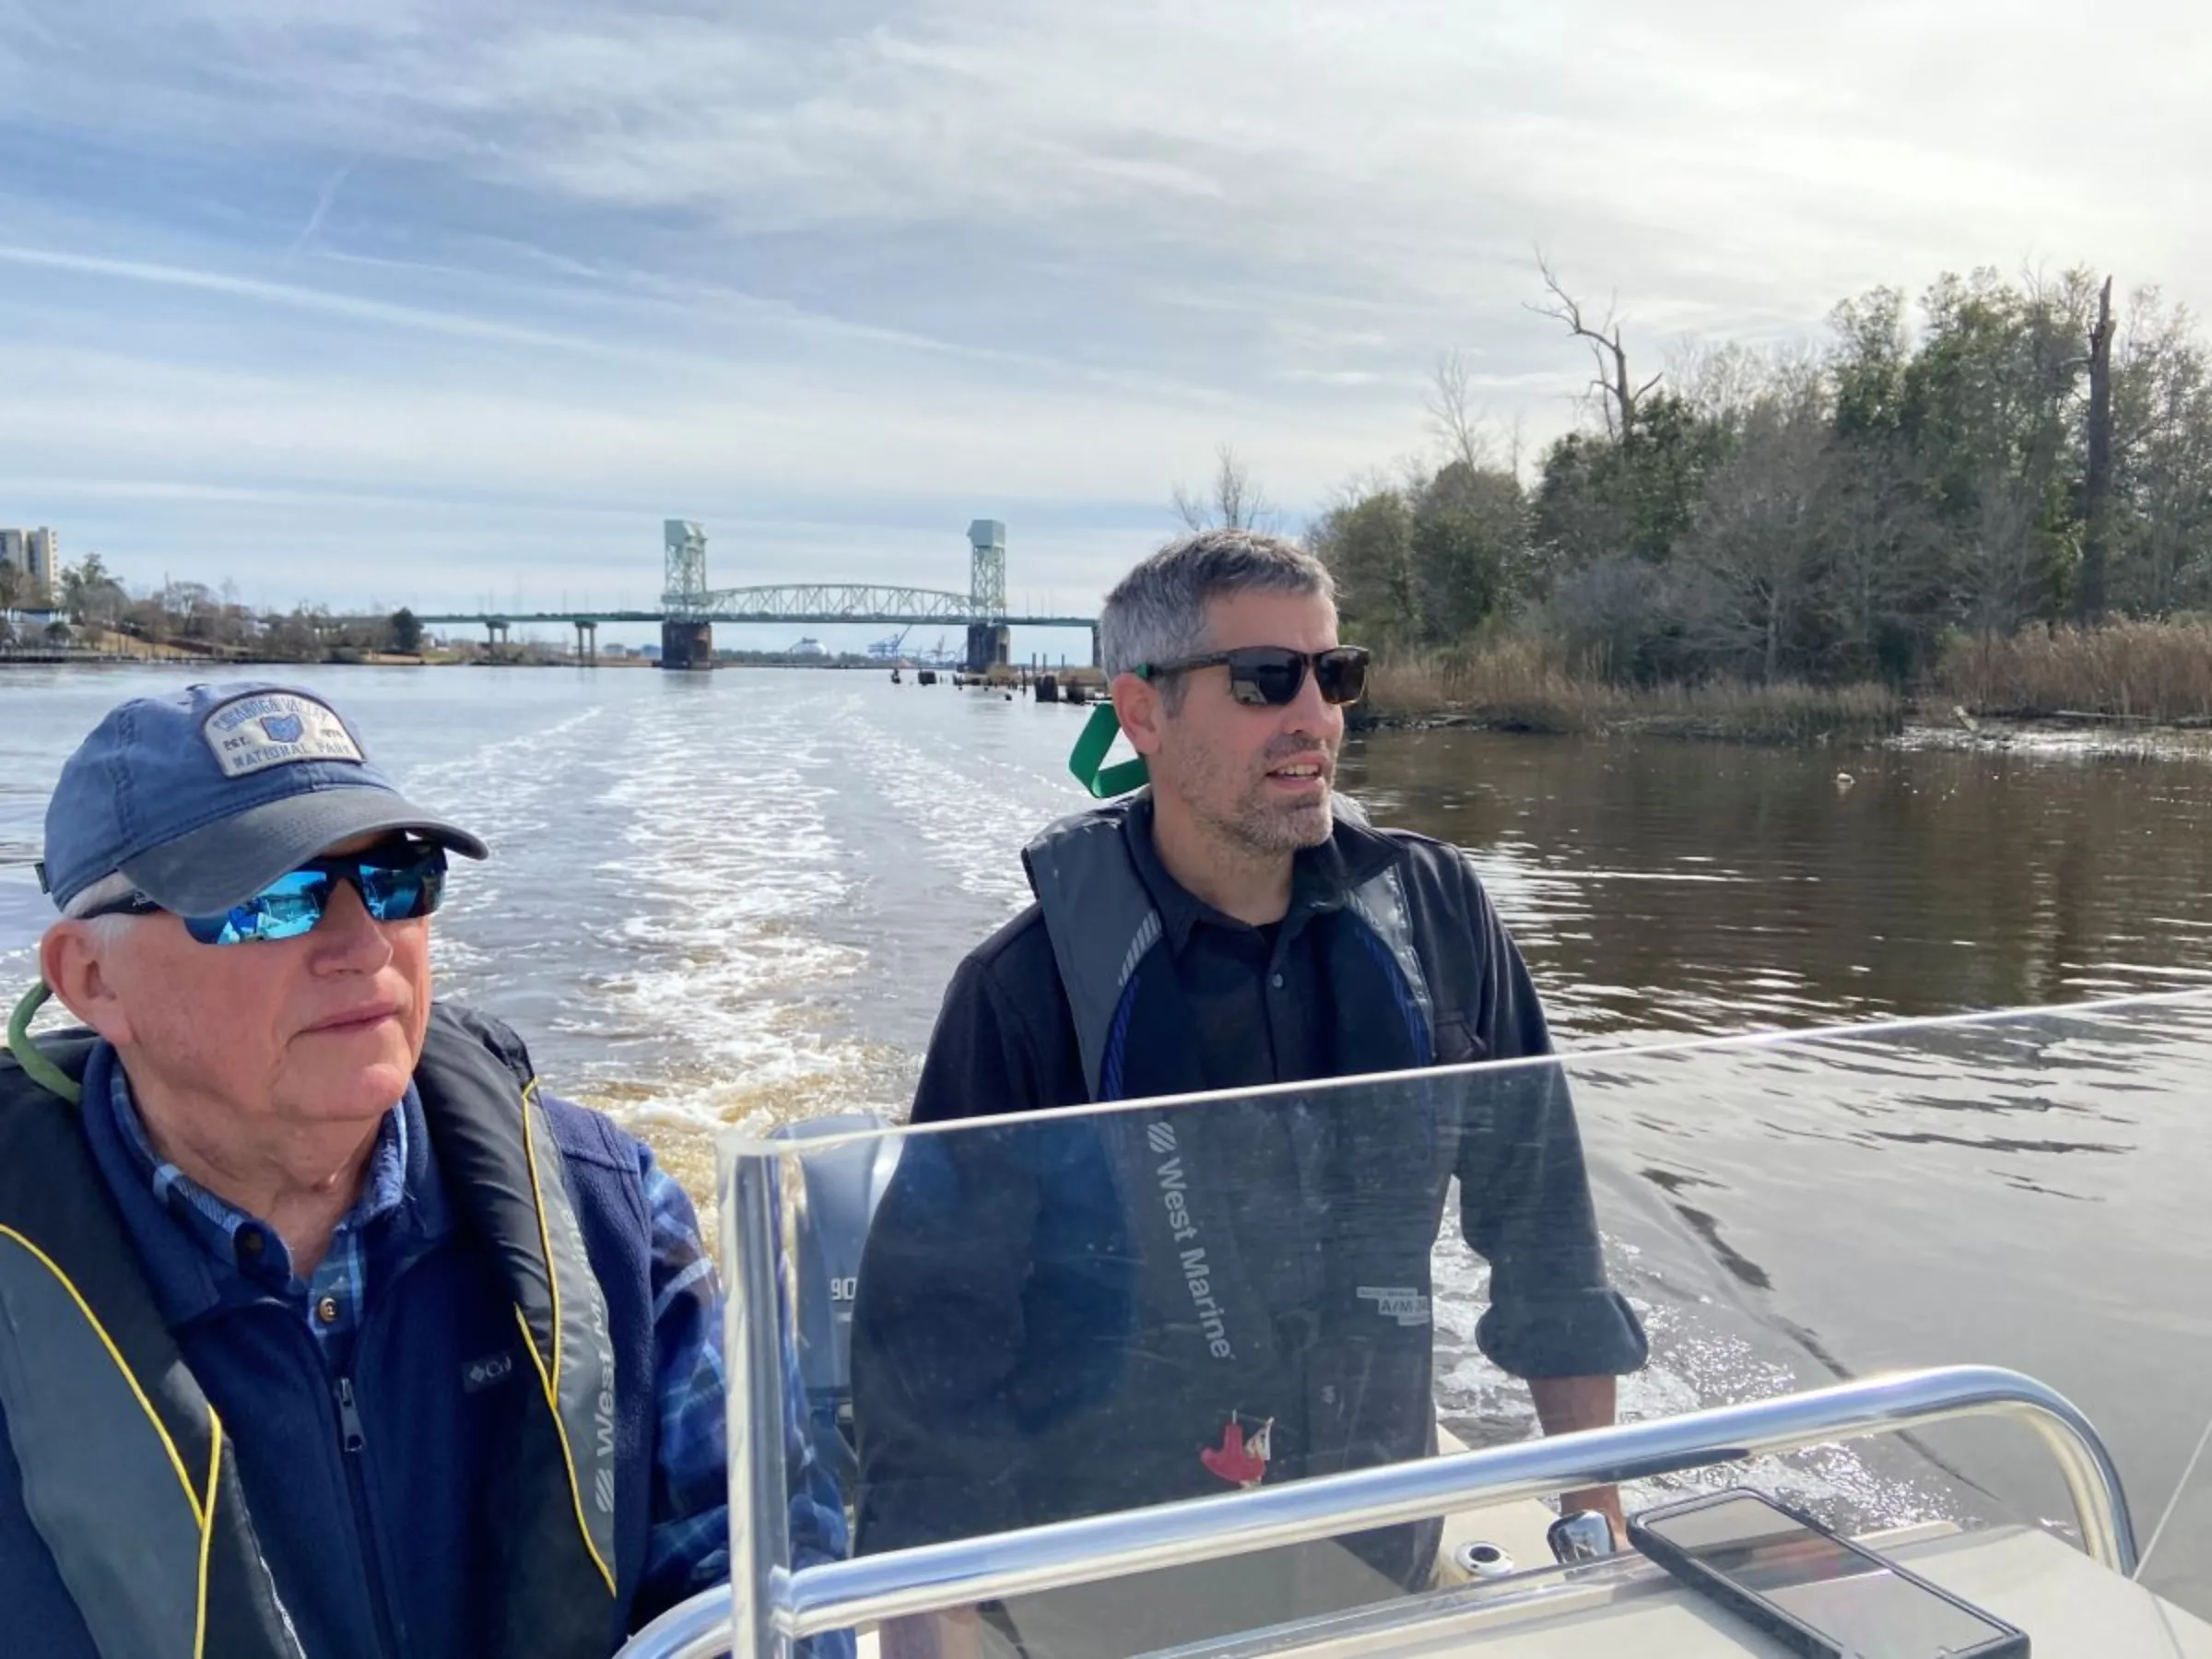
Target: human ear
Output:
[
  {"x": 70, "y": 959},
  {"x": 1141, "y": 708}
]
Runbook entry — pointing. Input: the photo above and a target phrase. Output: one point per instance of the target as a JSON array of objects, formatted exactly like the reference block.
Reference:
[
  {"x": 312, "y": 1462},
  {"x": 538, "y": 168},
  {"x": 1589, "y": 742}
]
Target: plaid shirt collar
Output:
[{"x": 232, "y": 1237}]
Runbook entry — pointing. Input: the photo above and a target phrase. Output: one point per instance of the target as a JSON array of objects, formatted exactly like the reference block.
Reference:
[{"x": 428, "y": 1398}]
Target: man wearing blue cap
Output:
[{"x": 322, "y": 1331}]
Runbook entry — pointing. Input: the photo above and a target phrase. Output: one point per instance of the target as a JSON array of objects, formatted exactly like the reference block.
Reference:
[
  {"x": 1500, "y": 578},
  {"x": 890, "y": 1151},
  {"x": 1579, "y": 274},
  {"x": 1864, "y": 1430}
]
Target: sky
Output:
[{"x": 452, "y": 302}]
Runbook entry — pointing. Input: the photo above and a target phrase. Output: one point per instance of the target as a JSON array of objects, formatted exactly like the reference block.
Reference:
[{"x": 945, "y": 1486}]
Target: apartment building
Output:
[{"x": 35, "y": 556}]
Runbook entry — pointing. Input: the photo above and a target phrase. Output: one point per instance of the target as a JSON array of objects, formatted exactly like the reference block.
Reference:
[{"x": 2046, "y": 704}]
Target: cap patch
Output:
[{"x": 253, "y": 732}]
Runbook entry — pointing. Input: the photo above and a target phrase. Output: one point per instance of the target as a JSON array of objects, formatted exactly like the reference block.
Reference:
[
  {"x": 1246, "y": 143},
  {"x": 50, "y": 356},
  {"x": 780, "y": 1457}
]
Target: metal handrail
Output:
[{"x": 934, "y": 1577}]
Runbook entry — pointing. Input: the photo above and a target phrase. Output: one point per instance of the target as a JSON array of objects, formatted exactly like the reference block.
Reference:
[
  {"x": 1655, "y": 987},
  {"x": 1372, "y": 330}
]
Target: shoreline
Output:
[
  {"x": 1921, "y": 726},
  {"x": 1780, "y": 717}
]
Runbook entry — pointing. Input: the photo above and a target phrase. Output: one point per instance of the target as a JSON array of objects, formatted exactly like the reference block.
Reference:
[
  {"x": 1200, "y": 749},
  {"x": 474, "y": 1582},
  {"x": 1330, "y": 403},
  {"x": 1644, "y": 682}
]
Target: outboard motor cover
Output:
[{"x": 843, "y": 1186}]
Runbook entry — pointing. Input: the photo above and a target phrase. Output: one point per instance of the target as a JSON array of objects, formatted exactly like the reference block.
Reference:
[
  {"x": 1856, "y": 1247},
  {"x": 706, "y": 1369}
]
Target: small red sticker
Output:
[{"x": 1240, "y": 1462}]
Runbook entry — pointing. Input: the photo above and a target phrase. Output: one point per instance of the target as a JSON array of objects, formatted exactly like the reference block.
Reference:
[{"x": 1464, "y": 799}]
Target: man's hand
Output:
[
  {"x": 1606, "y": 1500},
  {"x": 1565, "y": 1405}
]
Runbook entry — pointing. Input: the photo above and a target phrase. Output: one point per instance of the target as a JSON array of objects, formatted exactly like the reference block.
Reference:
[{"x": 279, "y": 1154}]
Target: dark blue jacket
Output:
[
  {"x": 1067, "y": 1314},
  {"x": 382, "y": 1550}
]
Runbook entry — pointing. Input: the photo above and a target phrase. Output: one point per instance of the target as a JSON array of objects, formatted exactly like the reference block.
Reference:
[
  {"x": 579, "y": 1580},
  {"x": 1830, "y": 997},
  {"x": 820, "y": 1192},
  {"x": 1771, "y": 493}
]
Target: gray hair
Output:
[
  {"x": 107, "y": 931},
  {"x": 1157, "y": 613}
]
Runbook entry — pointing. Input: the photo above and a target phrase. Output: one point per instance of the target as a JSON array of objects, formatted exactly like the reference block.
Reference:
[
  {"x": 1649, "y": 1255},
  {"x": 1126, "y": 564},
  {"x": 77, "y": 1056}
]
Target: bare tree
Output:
[
  {"x": 2161, "y": 460},
  {"x": 2097, "y": 480},
  {"x": 1459, "y": 426},
  {"x": 1882, "y": 560},
  {"x": 1750, "y": 565},
  {"x": 1615, "y": 398},
  {"x": 1723, "y": 382},
  {"x": 2001, "y": 566},
  {"x": 1235, "y": 502}
]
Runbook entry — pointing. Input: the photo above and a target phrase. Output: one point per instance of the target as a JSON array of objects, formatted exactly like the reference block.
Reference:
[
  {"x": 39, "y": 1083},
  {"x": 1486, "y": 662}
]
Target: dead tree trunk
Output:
[
  {"x": 2097, "y": 483},
  {"x": 1615, "y": 398}
]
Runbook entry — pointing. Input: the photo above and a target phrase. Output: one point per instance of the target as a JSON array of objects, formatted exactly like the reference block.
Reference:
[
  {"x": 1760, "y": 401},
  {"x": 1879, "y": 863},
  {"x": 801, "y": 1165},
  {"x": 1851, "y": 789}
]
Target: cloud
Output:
[
  {"x": 323, "y": 200},
  {"x": 458, "y": 268}
]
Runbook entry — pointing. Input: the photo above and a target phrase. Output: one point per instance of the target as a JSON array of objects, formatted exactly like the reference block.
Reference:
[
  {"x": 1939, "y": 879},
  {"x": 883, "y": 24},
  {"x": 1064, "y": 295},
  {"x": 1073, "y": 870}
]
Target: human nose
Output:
[
  {"x": 1310, "y": 715},
  {"x": 349, "y": 939}
]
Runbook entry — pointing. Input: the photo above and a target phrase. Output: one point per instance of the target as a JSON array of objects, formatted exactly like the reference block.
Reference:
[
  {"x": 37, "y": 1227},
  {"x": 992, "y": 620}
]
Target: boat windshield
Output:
[{"x": 1005, "y": 1322}]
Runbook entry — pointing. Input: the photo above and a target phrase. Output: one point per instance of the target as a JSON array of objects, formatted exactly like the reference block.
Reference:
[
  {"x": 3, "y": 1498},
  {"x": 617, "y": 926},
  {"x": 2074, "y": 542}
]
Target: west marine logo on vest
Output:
[
  {"x": 603, "y": 1412},
  {"x": 1174, "y": 1194}
]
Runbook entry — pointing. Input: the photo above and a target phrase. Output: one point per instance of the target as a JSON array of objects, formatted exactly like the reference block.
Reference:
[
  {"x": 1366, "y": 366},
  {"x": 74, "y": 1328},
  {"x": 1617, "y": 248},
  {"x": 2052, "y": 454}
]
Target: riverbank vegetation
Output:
[
  {"x": 94, "y": 613},
  {"x": 1521, "y": 683},
  {"x": 2156, "y": 672},
  {"x": 1999, "y": 496}
]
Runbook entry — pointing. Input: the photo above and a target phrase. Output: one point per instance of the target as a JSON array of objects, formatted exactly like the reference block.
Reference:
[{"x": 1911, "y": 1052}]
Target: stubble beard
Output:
[
  {"x": 1274, "y": 829},
  {"x": 1248, "y": 822},
  {"x": 1271, "y": 829}
]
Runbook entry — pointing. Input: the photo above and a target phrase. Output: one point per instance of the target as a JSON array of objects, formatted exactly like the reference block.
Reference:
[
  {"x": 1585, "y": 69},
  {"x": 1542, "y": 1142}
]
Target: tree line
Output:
[
  {"x": 1996, "y": 455},
  {"x": 192, "y": 615}
]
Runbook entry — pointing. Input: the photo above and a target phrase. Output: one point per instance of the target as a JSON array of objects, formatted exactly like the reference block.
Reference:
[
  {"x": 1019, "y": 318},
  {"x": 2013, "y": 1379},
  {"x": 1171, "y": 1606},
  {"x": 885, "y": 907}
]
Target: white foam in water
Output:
[
  {"x": 723, "y": 860},
  {"x": 512, "y": 792},
  {"x": 936, "y": 792},
  {"x": 1694, "y": 1365}
]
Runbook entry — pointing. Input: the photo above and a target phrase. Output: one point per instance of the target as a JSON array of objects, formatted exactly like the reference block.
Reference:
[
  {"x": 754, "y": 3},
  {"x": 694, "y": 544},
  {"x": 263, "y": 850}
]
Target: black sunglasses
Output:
[
  {"x": 398, "y": 882},
  {"x": 1273, "y": 675}
]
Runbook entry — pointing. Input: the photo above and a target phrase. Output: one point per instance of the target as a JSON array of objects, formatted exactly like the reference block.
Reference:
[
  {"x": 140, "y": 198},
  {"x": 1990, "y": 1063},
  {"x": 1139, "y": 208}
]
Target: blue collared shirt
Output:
[{"x": 688, "y": 1546}]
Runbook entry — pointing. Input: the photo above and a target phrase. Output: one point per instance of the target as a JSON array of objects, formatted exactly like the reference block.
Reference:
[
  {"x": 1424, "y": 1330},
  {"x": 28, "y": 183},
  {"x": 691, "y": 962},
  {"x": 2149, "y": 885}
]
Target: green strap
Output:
[
  {"x": 1089, "y": 760},
  {"x": 36, "y": 1066}
]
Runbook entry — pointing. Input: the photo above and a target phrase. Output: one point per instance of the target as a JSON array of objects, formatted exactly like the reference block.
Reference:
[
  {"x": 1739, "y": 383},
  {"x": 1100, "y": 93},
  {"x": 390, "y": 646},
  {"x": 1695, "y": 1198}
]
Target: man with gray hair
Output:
[
  {"x": 1029, "y": 1343},
  {"x": 323, "y": 1330}
]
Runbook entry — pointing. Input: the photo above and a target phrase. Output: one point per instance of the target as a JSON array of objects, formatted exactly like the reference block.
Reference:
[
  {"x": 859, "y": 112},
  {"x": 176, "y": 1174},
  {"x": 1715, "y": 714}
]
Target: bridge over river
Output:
[{"x": 690, "y": 609}]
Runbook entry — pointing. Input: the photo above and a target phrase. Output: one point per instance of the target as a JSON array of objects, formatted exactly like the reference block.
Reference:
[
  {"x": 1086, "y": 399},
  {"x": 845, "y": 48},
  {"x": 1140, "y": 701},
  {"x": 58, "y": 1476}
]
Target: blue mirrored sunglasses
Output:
[{"x": 396, "y": 884}]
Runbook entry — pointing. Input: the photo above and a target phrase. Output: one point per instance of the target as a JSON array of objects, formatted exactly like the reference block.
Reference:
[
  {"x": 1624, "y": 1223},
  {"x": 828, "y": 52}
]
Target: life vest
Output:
[
  {"x": 128, "y": 1472},
  {"x": 1104, "y": 928}
]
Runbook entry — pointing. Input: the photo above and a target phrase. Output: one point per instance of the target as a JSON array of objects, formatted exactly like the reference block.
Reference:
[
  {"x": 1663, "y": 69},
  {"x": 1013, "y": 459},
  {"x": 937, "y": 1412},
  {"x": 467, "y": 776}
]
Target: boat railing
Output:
[{"x": 761, "y": 1617}]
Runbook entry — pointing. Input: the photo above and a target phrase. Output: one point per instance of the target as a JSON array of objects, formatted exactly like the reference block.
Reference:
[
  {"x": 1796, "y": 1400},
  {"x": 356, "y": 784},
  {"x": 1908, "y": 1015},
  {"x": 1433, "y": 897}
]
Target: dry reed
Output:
[
  {"x": 1519, "y": 683},
  {"x": 2156, "y": 672}
]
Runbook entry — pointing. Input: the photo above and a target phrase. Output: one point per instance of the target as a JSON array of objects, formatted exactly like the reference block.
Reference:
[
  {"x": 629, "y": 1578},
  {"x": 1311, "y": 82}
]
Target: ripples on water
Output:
[
  {"x": 724, "y": 900},
  {"x": 2022, "y": 1193},
  {"x": 1685, "y": 888}
]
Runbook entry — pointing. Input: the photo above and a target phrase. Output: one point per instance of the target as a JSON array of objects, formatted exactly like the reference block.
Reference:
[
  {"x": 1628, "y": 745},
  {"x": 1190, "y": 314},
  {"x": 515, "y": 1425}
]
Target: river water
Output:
[{"x": 737, "y": 897}]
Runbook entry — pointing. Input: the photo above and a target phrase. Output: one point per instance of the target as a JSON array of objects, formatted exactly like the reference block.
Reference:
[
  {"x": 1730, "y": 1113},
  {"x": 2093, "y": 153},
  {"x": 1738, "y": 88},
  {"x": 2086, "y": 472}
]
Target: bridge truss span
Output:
[
  {"x": 690, "y": 609},
  {"x": 822, "y": 602}
]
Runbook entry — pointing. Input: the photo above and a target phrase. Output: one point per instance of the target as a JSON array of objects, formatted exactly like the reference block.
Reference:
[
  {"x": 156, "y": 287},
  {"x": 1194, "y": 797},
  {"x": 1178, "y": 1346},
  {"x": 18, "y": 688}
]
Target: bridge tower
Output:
[
  {"x": 687, "y": 636},
  {"x": 989, "y": 639}
]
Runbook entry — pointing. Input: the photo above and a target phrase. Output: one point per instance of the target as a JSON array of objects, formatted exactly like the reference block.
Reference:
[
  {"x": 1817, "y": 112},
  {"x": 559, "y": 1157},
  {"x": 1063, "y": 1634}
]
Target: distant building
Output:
[{"x": 35, "y": 554}]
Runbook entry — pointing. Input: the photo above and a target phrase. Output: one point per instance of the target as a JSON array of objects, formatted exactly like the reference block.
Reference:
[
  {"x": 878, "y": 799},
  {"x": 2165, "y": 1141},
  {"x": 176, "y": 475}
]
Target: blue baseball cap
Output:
[{"x": 204, "y": 797}]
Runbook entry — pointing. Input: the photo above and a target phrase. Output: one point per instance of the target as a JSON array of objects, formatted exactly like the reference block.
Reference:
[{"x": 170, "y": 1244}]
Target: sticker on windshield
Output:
[{"x": 1407, "y": 1305}]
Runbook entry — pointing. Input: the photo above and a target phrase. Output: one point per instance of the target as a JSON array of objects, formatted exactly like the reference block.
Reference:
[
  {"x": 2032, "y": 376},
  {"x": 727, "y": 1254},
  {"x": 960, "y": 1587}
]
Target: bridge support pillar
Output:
[
  {"x": 495, "y": 636},
  {"x": 1096, "y": 660},
  {"x": 990, "y": 645},
  {"x": 587, "y": 644},
  {"x": 687, "y": 644}
]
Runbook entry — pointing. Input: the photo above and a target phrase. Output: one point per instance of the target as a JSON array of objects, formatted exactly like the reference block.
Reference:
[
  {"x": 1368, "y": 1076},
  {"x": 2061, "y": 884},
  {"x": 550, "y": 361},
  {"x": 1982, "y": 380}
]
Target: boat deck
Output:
[{"x": 2070, "y": 1607}]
